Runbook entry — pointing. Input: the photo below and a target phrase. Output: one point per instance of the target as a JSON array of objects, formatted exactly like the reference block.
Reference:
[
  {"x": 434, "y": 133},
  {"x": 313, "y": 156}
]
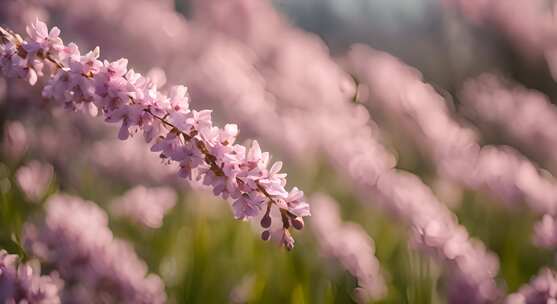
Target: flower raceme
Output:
[{"x": 204, "y": 152}]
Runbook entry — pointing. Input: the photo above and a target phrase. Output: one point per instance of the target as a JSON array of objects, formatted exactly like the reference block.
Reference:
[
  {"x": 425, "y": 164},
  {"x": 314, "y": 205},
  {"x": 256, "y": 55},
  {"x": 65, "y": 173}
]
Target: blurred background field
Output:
[{"x": 201, "y": 253}]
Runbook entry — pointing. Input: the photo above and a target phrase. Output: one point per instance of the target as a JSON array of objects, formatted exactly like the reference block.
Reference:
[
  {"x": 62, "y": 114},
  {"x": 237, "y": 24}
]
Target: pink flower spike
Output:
[{"x": 187, "y": 136}]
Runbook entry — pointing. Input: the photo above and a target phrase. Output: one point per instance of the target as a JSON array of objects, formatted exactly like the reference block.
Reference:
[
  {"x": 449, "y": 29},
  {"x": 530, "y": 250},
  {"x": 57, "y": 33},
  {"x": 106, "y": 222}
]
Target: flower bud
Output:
[
  {"x": 298, "y": 223},
  {"x": 266, "y": 235},
  {"x": 266, "y": 221}
]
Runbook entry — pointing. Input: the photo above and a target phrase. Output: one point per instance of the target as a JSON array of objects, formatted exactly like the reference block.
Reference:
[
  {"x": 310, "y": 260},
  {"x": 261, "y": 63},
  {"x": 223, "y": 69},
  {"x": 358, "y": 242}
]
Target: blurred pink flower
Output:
[
  {"x": 34, "y": 179},
  {"x": 529, "y": 33},
  {"x": 75, "y": 239},
  {"x": 542, "y": 289},
  {"x": 21, "y": 283},
  {"x": 527, "y": 117},
  {"x": 131, "y": 161},
  {"x": 545, "y": 232},
  {"x": 146, "y": 206},
  {"x": 425, "y": 117},
  {"x": 351, "y": 245},
  {"x": 15, "y": 142}
]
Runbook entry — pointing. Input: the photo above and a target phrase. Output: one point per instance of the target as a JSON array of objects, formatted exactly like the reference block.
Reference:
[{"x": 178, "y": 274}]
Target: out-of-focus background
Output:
[{"x": 317, "y": 83}]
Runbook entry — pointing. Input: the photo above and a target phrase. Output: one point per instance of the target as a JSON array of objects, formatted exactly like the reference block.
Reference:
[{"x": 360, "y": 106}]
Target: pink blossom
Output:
[
  {"x": 41, "y": 39},
  {"x": 247, "y": 206}
]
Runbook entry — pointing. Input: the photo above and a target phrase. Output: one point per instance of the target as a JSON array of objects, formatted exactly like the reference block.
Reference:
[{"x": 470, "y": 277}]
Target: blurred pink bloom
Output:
[
  {"x": 541, "y": 290},
  {"x": 532, "y": 33},
  {"x": 34, "y": 179},
  {"x": 146, "y": 206},
  {"x": 15, "y": 142},
  {"x": 21, "y": 283},
  {"x": 422, "y": 113},
  {"x": 131, "y": 161},
  {"x": 243, "y": 291},
  {"x": 525, "y": 116},
  {"x": 545, "y": 232},
  {"x": 75, "y": 239},
  {"x": 351, "y": 245},
  {"x": 470, "y": 267}
]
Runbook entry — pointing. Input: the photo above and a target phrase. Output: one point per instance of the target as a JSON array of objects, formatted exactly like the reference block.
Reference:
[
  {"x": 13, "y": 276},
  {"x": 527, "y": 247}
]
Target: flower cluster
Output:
[
  {"x": 75, "y": 239},
  {"x": 204, "y": 152},
  {"x": 21, "y": 283},
  {"x": 146, "y": 206}
]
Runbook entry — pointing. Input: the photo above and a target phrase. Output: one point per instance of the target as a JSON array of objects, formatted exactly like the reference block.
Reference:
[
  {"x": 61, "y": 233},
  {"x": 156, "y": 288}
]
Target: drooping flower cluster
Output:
[
  {"x": 203, "y": 151},
  {"x": 351, "y": 245},
  {"x": 21, "y": 283},
  {"x": 541, "y": 290},
  {"x": 146, "y": 206},
  {"x": 74, "y": 238}
]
